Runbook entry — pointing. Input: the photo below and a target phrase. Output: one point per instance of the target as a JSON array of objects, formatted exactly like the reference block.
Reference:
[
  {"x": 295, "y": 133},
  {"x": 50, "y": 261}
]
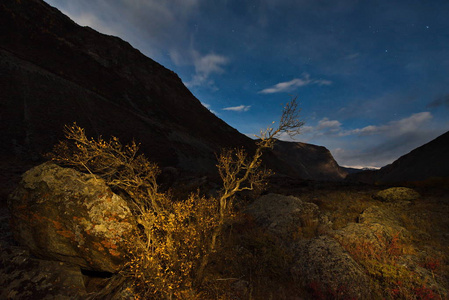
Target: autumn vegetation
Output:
[
  {"x": 171, "y": 255},
  {"x": 203, "y": 247}
]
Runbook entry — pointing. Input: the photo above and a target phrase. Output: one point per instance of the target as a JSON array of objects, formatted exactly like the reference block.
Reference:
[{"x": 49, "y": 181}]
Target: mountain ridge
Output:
[
  {"x": 57, "y": 72},
  {"x": 424, "y": 162}
]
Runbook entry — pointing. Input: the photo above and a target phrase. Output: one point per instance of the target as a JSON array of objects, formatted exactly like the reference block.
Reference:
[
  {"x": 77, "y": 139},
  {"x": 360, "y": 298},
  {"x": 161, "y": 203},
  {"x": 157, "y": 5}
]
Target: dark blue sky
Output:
[{"x": 372, "y": 77}]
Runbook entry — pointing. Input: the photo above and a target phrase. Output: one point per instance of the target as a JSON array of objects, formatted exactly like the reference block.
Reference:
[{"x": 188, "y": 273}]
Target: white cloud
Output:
[
  {"x": 241, "y": 108},
  {"x": 205, "y": 66},
  {"x": 394, "y": 128},
  {"x": 293, "y": 84},
  {"x": 210, "y": 63},
  {"x": 329, "y": 125},
  {"x": 373, "y": 145}
]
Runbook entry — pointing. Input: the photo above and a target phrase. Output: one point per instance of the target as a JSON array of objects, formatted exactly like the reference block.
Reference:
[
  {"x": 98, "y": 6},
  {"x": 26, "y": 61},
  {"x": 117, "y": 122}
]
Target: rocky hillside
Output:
[
  {"x": 54, "y": 72},
  {"x": 309, "y": 161},
  {"x": 427, "y": 161}
]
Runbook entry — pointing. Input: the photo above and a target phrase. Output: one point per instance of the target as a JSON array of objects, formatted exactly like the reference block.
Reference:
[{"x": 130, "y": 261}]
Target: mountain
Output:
[
  {"x": 351, "y": 170},
  {"x": 429, "y": 160},
  {"x": 309, "y": 161},
  {"x": 54, "y": 72}
]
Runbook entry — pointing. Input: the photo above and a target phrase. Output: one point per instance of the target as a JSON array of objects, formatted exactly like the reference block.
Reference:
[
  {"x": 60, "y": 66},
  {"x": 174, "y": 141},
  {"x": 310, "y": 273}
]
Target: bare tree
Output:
[{"x": 240, "y": 172}]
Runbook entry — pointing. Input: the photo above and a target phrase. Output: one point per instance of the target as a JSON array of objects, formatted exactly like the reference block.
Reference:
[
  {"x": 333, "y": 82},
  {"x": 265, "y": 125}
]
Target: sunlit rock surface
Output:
[{"x": 62, "y": 214}]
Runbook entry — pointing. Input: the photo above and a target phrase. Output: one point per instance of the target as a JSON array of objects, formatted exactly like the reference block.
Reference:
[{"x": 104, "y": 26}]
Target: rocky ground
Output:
[{"x": 302, "y": 240}]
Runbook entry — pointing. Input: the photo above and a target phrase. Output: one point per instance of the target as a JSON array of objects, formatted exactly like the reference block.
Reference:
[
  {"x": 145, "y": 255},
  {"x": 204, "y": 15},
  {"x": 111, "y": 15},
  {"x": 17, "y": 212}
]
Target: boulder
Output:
[
  {"x": 62, "y": 214},
  {"x": 384, "y": 247},
  {"x": 284, "y": 216},
  {"x": 327, "y": 269},
  {"x": 397, "y": 194}
]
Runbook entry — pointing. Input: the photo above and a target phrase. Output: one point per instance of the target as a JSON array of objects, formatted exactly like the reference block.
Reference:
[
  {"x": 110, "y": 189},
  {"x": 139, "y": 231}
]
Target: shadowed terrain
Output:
[
  {"x": 308, "y": 235},
  {"x": 427, "y": 161}
]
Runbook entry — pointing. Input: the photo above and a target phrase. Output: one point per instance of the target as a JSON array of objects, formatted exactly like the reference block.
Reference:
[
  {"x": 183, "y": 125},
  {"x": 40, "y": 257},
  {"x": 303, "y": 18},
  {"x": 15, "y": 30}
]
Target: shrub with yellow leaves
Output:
[{"x": 170, "y": 255}]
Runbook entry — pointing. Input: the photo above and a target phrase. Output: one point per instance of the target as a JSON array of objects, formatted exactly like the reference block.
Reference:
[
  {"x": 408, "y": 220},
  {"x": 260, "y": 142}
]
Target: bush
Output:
[{"x": 171, "y": 255}]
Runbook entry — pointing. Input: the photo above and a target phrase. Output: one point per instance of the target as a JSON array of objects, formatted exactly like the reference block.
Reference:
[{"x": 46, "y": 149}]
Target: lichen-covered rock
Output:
[
  {"x": 324, "y": 266},
  {"x": 284, "y": 215},
  {"x": 62, "y": 214},
  {"x": 382, "y": 215},
  {"x": 24, "y": 277},
  {"x": 384, "y": 247},
  {"x": 397, "y": 194}
]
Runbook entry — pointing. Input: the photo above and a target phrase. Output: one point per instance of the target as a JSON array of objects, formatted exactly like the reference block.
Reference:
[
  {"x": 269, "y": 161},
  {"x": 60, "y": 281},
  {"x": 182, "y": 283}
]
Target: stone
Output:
[
  {"x": 283, "y": 215},
  {"x": 25, "y": 277},
  {"x": 323, "y": 265},
  {"x": 65, "y": 215},
  {"x": 396, "y": 194}
]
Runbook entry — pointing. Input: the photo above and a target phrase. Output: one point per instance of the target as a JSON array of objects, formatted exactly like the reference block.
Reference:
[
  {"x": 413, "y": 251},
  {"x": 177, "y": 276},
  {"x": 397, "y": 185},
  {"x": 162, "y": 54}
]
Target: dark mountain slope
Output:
[
  {"x": 309, "y": 161},
  {"x": 429, "y": 160},
  {"x": 55, "y": 72}
]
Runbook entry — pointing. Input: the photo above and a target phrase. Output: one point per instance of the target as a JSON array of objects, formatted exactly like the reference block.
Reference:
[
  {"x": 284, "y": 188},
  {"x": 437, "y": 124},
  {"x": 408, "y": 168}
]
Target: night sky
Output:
[{"x": 372, "y": 77}]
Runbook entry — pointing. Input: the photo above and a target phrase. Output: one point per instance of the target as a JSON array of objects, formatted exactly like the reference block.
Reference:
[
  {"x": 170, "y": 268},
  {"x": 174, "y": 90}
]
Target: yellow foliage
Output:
[{"x": 169, "y": 256}]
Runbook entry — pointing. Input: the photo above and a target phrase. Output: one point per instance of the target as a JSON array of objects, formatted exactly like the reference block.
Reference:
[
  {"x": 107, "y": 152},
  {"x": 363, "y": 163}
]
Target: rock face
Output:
[
  {"x": 62, "y": 214},
  {"x": 23, "y": 277},
  {"x": 309, "y": 161},
  {"x": 54, "y": 72},
  {"x": 429, "y": 160}
]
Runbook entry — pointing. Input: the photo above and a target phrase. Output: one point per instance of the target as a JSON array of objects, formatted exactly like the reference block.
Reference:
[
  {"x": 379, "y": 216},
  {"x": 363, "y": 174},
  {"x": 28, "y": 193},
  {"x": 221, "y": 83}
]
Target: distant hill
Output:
[
  {"x": 55, "y": 72},
  {"x": 429, "y": 160}
]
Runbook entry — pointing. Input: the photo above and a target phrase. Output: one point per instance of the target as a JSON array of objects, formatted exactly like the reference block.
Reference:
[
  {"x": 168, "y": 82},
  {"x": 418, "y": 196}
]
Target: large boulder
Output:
[
  {"x": 62, "y": 214},
  {"x": 385, "y": 248},
  {"x": 284, "y": 216},
  {"x": 396, "y": 194},
  {"x": 328, "y": 270}
]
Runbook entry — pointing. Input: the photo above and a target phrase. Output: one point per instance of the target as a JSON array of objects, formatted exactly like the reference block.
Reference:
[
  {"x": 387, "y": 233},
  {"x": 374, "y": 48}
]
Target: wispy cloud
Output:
[
  {"x": 205, "y": 66},
  {"x": 327, "y": 125},
  {"x": 394, "y": 128},
  {"x": 240, "y": 108},
  {"x": 412, "y": 123},
  {"x": 152, "y": 26},
  {"x": 88, "y": 19},
  {"x": 373, "y": 145},
  {"x": 293, "y": 84}
]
